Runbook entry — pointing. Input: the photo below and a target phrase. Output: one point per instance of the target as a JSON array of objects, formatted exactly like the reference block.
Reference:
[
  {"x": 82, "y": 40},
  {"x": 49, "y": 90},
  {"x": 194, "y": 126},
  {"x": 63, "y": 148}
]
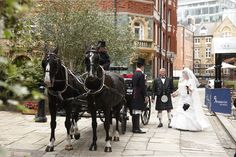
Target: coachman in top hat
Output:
[
  {"x": 104, "y": 60},
  {"x": 139, "y": 95}
]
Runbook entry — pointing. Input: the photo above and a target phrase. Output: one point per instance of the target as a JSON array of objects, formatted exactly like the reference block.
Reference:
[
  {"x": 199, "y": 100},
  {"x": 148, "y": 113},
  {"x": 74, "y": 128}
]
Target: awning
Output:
[
  {"x": 224, "y": 66},
  {"x": 224, "y": 45}
]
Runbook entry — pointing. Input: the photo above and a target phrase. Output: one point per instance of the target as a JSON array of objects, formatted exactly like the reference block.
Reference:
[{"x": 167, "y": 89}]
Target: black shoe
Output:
[
  {"x": 139, "y": 131},
  {"x": 169, "y": 126},
  {"x": 160, "y": 125}
]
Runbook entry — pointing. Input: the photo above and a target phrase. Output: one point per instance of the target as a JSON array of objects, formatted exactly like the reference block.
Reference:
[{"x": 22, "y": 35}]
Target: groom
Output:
[{"x": 162, "y": 89}]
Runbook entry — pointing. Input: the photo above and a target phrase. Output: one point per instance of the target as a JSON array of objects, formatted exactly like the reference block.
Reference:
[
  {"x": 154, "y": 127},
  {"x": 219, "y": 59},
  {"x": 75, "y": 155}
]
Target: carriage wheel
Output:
[
  {"x": 123, "y": 119},
  {"x": 145, "y": 116}
]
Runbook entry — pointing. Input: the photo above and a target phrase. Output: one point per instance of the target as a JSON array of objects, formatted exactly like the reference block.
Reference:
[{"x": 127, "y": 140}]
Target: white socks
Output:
[{"x": 169, "y": 116}]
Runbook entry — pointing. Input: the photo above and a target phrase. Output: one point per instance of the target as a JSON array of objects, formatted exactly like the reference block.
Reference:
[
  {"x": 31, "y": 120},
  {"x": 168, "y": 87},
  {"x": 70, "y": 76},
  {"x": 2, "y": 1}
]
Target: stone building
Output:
[
  {"x": 203, "y": 57},
  {"x": 224, "y": 41}
]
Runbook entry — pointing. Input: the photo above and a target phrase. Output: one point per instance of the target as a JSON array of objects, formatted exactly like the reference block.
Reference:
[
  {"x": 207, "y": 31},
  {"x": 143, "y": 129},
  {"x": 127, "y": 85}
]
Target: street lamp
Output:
[{"x": 171, "y": 57}]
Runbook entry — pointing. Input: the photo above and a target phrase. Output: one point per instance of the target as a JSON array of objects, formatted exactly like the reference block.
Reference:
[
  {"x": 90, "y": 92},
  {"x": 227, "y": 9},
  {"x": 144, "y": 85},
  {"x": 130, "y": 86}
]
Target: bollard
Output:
[{"x": 40, "y": 116}]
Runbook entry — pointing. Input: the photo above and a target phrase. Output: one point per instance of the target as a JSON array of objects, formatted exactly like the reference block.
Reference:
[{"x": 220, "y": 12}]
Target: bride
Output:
[{"x": 189, "y": 115}]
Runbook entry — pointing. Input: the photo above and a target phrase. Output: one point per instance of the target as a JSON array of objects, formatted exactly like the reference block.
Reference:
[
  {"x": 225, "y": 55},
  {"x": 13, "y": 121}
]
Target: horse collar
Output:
[{"x": 101, "y": 87}]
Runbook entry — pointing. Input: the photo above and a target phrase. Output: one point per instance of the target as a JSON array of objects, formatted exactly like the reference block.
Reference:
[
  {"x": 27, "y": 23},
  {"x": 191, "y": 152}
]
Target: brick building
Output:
[
  {"x": 154, "y": 23},
  {"x": 165, "y": 29},
  {"x": 184, "y": 57},
  {"x": 138, "y": 14}
]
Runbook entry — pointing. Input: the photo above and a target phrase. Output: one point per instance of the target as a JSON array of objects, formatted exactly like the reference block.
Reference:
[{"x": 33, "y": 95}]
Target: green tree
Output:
[
  {"x": 75, "y": 25},
  {"x": 17, "y": 82}
]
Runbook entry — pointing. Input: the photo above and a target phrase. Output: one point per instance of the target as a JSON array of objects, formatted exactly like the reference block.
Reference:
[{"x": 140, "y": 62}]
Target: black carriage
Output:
[
  {"x": 126, "y": 108},
  {"x": 146, "y": 113}
]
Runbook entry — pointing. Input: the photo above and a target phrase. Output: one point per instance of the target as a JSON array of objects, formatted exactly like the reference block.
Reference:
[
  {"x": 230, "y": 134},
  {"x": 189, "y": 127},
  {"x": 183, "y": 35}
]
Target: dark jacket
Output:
[
  {"x": 104, "y": 60},
  {"x": 139, "y": 91},
  {"x": 160, "y": 89}
]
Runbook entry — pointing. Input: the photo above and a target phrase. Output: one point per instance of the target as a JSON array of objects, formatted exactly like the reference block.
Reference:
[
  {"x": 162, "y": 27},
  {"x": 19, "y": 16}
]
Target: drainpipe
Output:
[
  {"x": 115, "y": 12},
  {"x": 160, "y": 51},
  {"x": 166, "y": 19}
]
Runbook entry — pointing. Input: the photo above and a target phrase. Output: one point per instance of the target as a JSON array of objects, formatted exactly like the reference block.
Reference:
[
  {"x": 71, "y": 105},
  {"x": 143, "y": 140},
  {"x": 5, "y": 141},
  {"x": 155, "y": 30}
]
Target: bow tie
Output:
[{"x": 163, "y": 77}]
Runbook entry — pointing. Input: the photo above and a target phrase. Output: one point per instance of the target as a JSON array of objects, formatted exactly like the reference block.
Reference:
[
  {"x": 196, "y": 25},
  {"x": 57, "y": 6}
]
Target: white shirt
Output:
[{"x": 163, "y": 80}]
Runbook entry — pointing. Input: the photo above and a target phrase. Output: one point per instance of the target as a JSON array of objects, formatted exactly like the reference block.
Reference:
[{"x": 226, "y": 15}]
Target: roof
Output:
[{"x": 205, "y": 29}]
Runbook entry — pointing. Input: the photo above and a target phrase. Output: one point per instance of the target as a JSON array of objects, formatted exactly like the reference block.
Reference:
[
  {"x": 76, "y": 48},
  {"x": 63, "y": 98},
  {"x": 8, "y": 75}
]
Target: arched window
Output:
[
  {"x": 226, "y": 32},
  {"x": 139, "y": 31}
]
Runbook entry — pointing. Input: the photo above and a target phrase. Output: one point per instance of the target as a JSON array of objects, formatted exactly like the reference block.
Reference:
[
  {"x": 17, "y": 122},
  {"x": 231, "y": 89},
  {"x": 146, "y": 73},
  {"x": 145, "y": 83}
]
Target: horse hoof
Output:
[
  {"x": 93, "y": 147},
  {"x": 49, "y": 149},
  {"x": 107, "y": 149},
  {"x": 68, "y": 147},
  {"x": 77, "y": 136},
  {"x": 116, "y": 139}
]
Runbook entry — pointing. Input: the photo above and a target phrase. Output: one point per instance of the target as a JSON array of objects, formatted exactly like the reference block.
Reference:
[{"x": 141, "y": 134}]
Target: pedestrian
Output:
[
  {"x": 139, "y": 95},
  {"x": 188, "y": 115},
  {"x": 162, "y": 90},
  {"x": 104, "y": 59}
]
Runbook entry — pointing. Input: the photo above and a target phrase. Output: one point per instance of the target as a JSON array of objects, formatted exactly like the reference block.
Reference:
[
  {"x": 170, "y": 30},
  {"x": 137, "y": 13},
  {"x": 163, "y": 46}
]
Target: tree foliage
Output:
[
  {"x": 75, "y": 25},
  {"x": 17, "y": 82}
]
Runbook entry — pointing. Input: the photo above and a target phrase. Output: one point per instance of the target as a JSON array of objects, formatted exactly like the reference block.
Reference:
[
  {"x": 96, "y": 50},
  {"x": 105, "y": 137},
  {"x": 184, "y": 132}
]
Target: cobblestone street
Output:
[{"x": 22, "y": 137}]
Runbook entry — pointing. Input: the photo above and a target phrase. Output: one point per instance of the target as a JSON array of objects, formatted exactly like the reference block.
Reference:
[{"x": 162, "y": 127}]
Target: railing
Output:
[{"x": 144, "y": 44}]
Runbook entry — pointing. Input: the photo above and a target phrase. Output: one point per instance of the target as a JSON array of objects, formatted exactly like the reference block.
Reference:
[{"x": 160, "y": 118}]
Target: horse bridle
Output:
[{"x": 59, "y": 93}]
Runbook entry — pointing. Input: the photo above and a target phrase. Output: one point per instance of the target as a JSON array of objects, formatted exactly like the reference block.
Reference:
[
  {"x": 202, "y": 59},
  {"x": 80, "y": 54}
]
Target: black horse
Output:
[
  {"x": 106, "y": 92},
  {"x": 62, "y": 85}
]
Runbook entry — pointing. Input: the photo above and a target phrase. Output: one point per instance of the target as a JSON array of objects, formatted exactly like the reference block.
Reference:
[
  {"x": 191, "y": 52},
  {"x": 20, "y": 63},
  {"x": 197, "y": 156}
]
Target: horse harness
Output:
[
  {"x": 59, "y": 93},
  {"x": 103, "y": 85},
  {"x": 88, "y": 91}
]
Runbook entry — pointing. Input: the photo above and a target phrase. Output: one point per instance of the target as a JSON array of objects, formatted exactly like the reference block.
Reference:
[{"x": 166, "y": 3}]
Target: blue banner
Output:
[
  {"x": 208, "y": 97},
  {"x": 218, "y": 100}
]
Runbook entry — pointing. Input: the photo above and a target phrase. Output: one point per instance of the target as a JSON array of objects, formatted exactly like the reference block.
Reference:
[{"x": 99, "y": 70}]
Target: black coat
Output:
[
  {"x": 104, "y": 60},
  {"x": 160, "y": 89},
  {"x": 139, "y": 91}
]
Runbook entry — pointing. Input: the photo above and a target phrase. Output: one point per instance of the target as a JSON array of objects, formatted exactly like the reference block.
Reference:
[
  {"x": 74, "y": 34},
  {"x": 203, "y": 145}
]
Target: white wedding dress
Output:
[{"x": 193, "y": 118}]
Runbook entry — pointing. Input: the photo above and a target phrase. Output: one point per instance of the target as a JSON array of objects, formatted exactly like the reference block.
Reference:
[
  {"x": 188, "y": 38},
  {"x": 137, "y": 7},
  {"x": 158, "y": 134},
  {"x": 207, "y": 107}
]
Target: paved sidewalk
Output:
[{"x": 22, "y": 137}]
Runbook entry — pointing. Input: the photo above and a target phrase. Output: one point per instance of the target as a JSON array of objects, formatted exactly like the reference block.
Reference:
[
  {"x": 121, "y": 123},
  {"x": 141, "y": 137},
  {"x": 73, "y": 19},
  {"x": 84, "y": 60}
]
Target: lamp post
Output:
[
  {"x": 218, "y": 61},
  {"x": 41, "y": 116},
  {"x": 171, "y": 57}
]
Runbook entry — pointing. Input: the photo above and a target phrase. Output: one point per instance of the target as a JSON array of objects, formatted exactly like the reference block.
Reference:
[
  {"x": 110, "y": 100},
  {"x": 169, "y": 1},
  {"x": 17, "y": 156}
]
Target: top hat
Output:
[
  {"x": 101, "y": 43},
  {"x": 141, "y": 61}
]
